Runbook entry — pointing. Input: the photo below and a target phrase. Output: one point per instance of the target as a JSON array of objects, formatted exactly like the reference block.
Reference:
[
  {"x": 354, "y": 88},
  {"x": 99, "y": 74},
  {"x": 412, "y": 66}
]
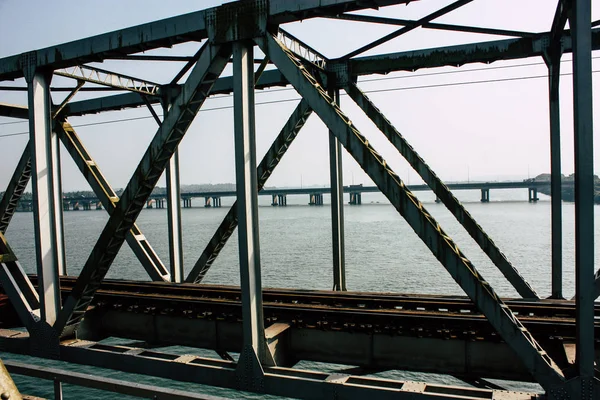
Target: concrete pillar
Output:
[
  {"x": 274, "y": 199},
  {"x": 533, "y": 195},
  {"x": 207, "y": 201},
  {"x": 485, "y": 195}
]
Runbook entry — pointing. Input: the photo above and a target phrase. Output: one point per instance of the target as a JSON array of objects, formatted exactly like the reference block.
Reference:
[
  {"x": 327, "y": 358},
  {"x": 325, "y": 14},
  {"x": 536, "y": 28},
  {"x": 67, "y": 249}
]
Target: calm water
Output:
[{"x": 382, "y": 254}]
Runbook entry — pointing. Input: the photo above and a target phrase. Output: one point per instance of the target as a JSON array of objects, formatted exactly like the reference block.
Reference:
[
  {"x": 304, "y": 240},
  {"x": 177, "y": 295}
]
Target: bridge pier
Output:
[
  {"x": 316, "y": 199},
  {"x": 533, "y": 194},
  {"x": 99, "y": 205},
  {"x": 187, "y": 202},
  {"x": 485, "y": 195},
  {"x": 355, "y": 198},
  {"x": 207, "y": 202},
  {"x": 279, "y": 200},
  {"x": 150, "y": 203},
  {"x": 216, "y": 202}
]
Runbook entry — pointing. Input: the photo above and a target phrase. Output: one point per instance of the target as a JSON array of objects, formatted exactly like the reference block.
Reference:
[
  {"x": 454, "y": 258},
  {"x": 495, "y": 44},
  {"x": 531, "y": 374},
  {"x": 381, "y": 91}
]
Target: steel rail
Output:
[
  {"x": 359, "y": 300},
  {"x": 316, "y": 316}
]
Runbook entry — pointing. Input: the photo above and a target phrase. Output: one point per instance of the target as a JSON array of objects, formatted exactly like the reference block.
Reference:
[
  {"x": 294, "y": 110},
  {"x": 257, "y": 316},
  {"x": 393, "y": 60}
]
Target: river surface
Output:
[{"x": 383, "y": 254}]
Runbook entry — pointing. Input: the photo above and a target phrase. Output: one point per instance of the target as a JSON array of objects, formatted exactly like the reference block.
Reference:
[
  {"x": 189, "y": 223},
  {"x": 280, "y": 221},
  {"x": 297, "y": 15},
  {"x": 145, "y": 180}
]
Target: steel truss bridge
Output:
[{"x": 67, "y": 324}]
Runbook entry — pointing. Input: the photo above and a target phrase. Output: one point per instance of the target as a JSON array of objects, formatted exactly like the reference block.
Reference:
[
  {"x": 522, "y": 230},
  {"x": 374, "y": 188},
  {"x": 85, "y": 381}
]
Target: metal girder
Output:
[
  {"x": 16, "y": 188},
  {"x": 430, "y": 25},
  {"x": 535, "y": 359},
  {"x": 442, "y": 192},
  {"x": 17, "y": 286},
  {"x": 183, "y": 110},
  {"x": 484, "y": 52},
  {"x": 101, "y": 383},
  {"x": 128, "y": 100},
  {"x": 301, "y": 49},
  {"x": 286, "y": 382},
  {"x": 108, "y": 78},
  {"x": 109, "y": 199},
  {"x": 265, "y": 169},
  {"x": 13, "y": 111},
  {"x": 170, "y": 31},
  {"x": 436, "y": 14}
]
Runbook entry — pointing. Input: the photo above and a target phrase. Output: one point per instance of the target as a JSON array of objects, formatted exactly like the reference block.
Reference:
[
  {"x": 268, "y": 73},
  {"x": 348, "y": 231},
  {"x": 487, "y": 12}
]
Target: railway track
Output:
[
  {"x": 545, "y": 308},
  {"x": 394, "y": 314}
]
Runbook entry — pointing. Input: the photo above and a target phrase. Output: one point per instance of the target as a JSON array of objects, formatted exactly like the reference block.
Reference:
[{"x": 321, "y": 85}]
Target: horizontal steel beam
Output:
[
  {"x": 484, "y": 52},
  {"x": 278, "y": 381},
  {"x": 102, "y": 383},
  {"x": 108, "y": 78},
  {"x": 131, "y": 100},
  {"x": 168, "y": 32},
  {"x": 452, "y": 56},
  {"x": 464, "y": 356}
]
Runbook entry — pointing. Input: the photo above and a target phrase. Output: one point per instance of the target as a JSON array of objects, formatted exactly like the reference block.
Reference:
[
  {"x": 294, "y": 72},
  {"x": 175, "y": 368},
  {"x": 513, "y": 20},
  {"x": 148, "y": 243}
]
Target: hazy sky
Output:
[{"x": 482, "y": 131}]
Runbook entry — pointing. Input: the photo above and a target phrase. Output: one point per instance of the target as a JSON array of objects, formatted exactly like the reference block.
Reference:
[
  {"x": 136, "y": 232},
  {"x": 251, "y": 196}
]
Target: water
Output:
[{"x": 383, "y": 254}]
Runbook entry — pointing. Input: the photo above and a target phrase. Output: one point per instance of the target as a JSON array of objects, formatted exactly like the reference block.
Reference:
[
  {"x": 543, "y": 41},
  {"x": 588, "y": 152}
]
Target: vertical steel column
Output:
[
  {"x": 247, "y": 199},
  {"x": 556, "y": 181},
  {"x": 58, "y": 209},
  {"x": 337, "y": 206},
  {"x": 584, "y": 186},
  {"x": 174, "y": 215},
  {"x": 43, "y": 154}
]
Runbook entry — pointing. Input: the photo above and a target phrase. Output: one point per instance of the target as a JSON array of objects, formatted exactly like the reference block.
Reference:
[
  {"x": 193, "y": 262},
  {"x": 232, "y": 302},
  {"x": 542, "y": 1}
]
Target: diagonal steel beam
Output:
[
  {"x": 535, "y": 359},
  {"x": 194, "y": 92},
  {"x": 442, "y": 192},
  {"x": 109, "y": 199},
  {"x": 108, "y": 78},
  {"x": 265, "y": 169},
  {"x": 430, "y": 25},
  {"x": 402, "y": 31},
  {"x": 18, "y": 287},
  {"x": 15, "y": 189}
]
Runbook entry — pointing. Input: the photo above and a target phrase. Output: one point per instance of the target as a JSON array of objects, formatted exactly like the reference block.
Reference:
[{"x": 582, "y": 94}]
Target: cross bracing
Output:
[{"x": 230, "y": 33}]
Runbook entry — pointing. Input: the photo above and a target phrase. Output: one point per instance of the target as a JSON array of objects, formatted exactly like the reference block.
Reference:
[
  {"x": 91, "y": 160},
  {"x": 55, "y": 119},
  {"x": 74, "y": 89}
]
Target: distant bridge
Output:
[{"x": 279, "y": 195}]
